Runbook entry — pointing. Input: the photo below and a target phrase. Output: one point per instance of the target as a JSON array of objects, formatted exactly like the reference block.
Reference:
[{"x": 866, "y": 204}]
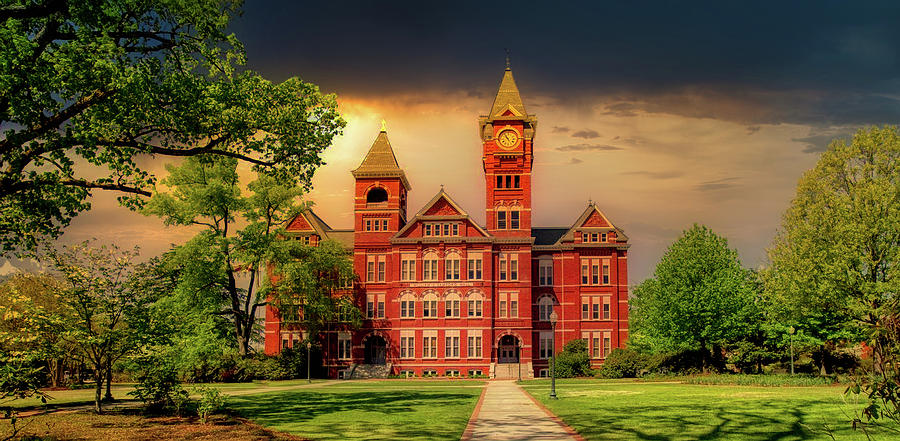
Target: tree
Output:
[
  {"x": 699, "y": 298},
  {"x": 835, "y": 261},
  {"x": 107, "y": 297},
  {"x": 90, "y": 88},
  {"x": 312, "y": 287},
  {"x": 222, "y": 267}
]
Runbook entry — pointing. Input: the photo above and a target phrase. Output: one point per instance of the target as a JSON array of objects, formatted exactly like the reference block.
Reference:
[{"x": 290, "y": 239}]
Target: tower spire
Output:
[{"x": 507, "y": 58}]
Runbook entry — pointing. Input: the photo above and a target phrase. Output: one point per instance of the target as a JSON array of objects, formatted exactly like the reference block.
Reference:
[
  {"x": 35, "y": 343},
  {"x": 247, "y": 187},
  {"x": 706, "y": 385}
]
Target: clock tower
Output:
[{"x": 507, "y": 135}]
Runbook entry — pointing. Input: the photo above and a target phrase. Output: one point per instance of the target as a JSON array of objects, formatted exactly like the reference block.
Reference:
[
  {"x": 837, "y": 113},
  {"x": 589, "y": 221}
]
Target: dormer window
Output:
[{"x": 436, "y": 229}]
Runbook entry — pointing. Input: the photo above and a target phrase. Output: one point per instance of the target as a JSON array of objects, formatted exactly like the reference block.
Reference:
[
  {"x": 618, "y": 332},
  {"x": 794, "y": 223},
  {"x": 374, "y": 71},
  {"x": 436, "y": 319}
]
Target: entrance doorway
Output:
[
  {"x": 376, "y": 350},
  {"x": 508, "y": 350}
]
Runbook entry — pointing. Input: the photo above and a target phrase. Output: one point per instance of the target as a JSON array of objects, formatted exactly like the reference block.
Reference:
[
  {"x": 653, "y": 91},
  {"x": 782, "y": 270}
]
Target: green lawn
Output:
[
  {"x": 386, "y": 410},
  {"x": 628, "y": 410}
]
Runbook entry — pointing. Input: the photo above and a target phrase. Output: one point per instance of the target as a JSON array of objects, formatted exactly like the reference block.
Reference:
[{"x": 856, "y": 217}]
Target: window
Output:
[
  {"x": 605, "y": 315},
  {"x": 429, "y": 373},
  {"x": 451, "y": 373},
  {"x": 407, "y": 344},
  {"x": 427, "y": 230},
  {"x": 508, "y": 306},
  {"x": 407, "y": 306},
  {"x": 599, "y": 343},
  {"x": 545, "y": 307},
  {"x": 514, "y": 219},
  {"x": 546, "y": 345},
  {"x": 429, "y": 305},
  {"x": 585, "y": 271},
  {"x": 407, "y": 267},
  {"x": 595, "y": 271},
  {"x": 430, "y": 266},
  {"x": 516, "y": 181},
  {"x": 499, "y": 181},
  {"x": 513, "y": 267},
  {"x": 433, "y": 229},
  {"x": 590, "y": 271},
  {"x": 544, "y": 373},
  {"x": 376, "y": 195},
  {"x": 603, "y": 237},
  {"x": 376, "y": 268},
  {"x": 344, "y": 346},
  {"x": 376, "y": 225},
  {"x": 595, "y": 353},
  {"x": 451, "y": 266},
  {"x": 429, "y": 344},
  {"x": 451, "y": 344},
  {"x": 374, "y": 306},
  {"x": 606, "y": 272},
  {"x": 474, "y": 373},
  {"x": 474, "y": 346},
  {"x": 501, "y": 219},
  {"x": 503, "y": 264},
  {"x": 475, "y": 305},
  {"x": 509, "y": 181},
  {"x": 474, "y": 266},
  {"x": 595, "y": 308},
  {"x": 606, "y": 343},
  {"x": 585, "y": 308},
  {"x": 451, "y": 305},
  {"x": 545, "y": 272}
]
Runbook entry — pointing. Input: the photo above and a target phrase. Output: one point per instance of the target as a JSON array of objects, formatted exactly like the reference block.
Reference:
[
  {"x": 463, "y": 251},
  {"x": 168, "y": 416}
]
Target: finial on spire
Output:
[
  {"x": 442, "y": 187},
  {"x": 383, "y": 126},
  {"x": 590, "y": 201},
  {"x": 507, "y": 58}
]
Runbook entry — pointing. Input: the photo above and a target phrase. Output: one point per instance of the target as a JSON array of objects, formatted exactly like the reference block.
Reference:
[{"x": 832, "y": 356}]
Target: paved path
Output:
[{"x": 505, "y": 412}]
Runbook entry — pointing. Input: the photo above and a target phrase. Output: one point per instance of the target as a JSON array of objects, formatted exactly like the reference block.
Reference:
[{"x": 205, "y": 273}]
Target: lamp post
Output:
[
  {"x": 308, "y": 360},
  {"x": 791, "y": 332},
  {"x": 553, "y": 318}
]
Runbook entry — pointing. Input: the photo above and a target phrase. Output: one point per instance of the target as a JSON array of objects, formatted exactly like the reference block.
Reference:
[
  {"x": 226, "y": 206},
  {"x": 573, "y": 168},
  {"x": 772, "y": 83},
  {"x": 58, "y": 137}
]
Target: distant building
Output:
[{"x": 443, "y": 295}]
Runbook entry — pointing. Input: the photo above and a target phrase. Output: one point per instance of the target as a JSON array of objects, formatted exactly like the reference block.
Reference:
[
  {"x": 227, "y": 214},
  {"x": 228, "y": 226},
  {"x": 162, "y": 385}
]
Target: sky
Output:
[{"x": 664, "y": 113}]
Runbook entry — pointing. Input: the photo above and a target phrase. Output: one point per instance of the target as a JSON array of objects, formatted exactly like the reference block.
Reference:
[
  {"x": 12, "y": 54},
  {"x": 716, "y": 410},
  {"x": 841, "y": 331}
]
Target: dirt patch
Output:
[{"x": 86, "y": 426}]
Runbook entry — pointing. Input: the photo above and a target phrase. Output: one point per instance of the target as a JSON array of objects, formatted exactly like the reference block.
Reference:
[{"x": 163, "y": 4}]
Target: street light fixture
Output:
[
  {"x": 308, "y": 361},
  {"x": 553, "y": 319}
]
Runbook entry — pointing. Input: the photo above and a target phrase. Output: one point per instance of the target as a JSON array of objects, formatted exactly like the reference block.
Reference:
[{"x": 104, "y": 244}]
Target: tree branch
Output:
[{"x": 117, "y": 187}]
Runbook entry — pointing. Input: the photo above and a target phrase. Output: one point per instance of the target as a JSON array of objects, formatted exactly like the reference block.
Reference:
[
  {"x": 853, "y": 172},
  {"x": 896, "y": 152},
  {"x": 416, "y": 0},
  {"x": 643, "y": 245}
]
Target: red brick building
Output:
[{"x": 444, "y": 295}]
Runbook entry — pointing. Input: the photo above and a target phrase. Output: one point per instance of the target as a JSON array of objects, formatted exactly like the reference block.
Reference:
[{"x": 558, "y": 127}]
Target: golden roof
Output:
[
  {"x": 380, "y": 162},
  {"x": 508, "y": 97}
]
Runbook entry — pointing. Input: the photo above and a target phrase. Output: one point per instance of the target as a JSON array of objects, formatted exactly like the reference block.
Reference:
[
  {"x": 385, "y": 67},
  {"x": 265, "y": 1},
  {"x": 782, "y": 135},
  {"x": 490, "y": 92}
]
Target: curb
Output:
[{"x": 470, "y": 426}]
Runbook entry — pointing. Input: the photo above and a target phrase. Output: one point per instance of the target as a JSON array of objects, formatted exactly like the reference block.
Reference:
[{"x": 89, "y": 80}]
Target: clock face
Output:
[{"x": 508, "y": 139}]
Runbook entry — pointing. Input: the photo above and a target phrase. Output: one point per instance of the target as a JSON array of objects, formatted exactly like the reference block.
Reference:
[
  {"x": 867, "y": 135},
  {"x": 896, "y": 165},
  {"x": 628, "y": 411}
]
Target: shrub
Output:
[
  {"x": 158, "y": 385},
  {"x": 574, "y": 360},
  {"x": 211, "y": 401},
  {"x": 624, "y": 363}
]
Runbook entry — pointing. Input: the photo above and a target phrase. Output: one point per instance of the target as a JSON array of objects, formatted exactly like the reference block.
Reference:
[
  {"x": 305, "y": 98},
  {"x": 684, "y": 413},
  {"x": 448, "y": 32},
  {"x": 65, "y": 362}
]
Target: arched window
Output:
[
  {"x": 429, "y": 305},
  {"x": 545, "y": 307},
  {"x": 475, "y": 304},
  {"x": 451, "y": 304},
  {"x": 376, "y": 195},
  {"x": 407, "y": 305},
  {"x": 430, "y": 265},
  {"x": 451, "y": 265}
]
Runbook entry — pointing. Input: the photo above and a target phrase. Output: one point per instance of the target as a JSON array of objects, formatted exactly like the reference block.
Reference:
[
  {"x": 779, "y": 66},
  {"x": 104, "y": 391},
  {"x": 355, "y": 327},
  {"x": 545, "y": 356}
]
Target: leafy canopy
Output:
[
  {"x": 90, "y": 89},
  {"x": 699, "y": 295}
]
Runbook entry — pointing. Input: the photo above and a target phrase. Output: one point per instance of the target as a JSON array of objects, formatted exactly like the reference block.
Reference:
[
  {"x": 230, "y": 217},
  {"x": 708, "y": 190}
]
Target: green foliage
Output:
[
  {"x": 699, "y": 297},
  {"x": 836, "y": 259},
  {"x": 89, "y": 88},
  {"x": 158, "y": 385},
  {"x": 574, "y": 360},
  {"x": 771, "y": 380},
  {"x": 211, "y": 401},
  {"x": 624, "y": 363},
  {"x": 219, "y": 269}
]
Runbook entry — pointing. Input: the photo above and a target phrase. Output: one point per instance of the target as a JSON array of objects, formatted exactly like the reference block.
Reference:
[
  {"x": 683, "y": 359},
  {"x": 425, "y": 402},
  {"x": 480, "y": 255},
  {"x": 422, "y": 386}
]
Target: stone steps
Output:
[{"x": 363, "y": 371}]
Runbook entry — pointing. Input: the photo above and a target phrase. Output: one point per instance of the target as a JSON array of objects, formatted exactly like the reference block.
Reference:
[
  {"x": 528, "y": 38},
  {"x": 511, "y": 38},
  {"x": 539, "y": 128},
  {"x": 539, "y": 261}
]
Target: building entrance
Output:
[
  {"x": 376, "y": 350},
  {"x": 508, "y": 349}
]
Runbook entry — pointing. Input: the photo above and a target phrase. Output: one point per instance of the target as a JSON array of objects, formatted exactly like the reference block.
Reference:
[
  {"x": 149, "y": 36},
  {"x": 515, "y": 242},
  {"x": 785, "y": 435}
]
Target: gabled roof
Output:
[
  {"x": 592, "y": 213},
  {"x": 445, "y": 207},
  {"x": 309, "y": 221},
  {"x": 380, "y": 162},
  {"x": 508, "y": 98}
]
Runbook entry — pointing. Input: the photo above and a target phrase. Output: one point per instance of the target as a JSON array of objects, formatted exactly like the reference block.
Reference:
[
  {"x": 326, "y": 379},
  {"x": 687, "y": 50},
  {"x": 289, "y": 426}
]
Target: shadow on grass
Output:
[
  {"x": 670, "y": 422},
  {"x": 363, "y": 414}
]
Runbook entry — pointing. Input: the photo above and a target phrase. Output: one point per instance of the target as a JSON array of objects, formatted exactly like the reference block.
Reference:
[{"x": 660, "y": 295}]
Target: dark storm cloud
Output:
[
  {"x": 818, "y": 139},
  {"x": 575, "y": 161},
  {"x": 587, "y": 147},
  {"x": 718, "y": 184},
  {"x": 560, "y": 129},
  {"x": 586, "y": 134},
  {"x": 809, "y": 62}
]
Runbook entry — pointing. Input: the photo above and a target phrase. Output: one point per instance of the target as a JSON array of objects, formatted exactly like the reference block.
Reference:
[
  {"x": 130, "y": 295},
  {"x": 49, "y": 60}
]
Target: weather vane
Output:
[
  {"x": 507, "y": 57},
  {"x": 383, "y": 126}
]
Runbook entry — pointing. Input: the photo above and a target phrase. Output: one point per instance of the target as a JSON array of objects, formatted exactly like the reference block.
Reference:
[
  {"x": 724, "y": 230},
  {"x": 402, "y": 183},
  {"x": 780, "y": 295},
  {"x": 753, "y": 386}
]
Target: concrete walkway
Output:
[{"x": 506, "y": 412}]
